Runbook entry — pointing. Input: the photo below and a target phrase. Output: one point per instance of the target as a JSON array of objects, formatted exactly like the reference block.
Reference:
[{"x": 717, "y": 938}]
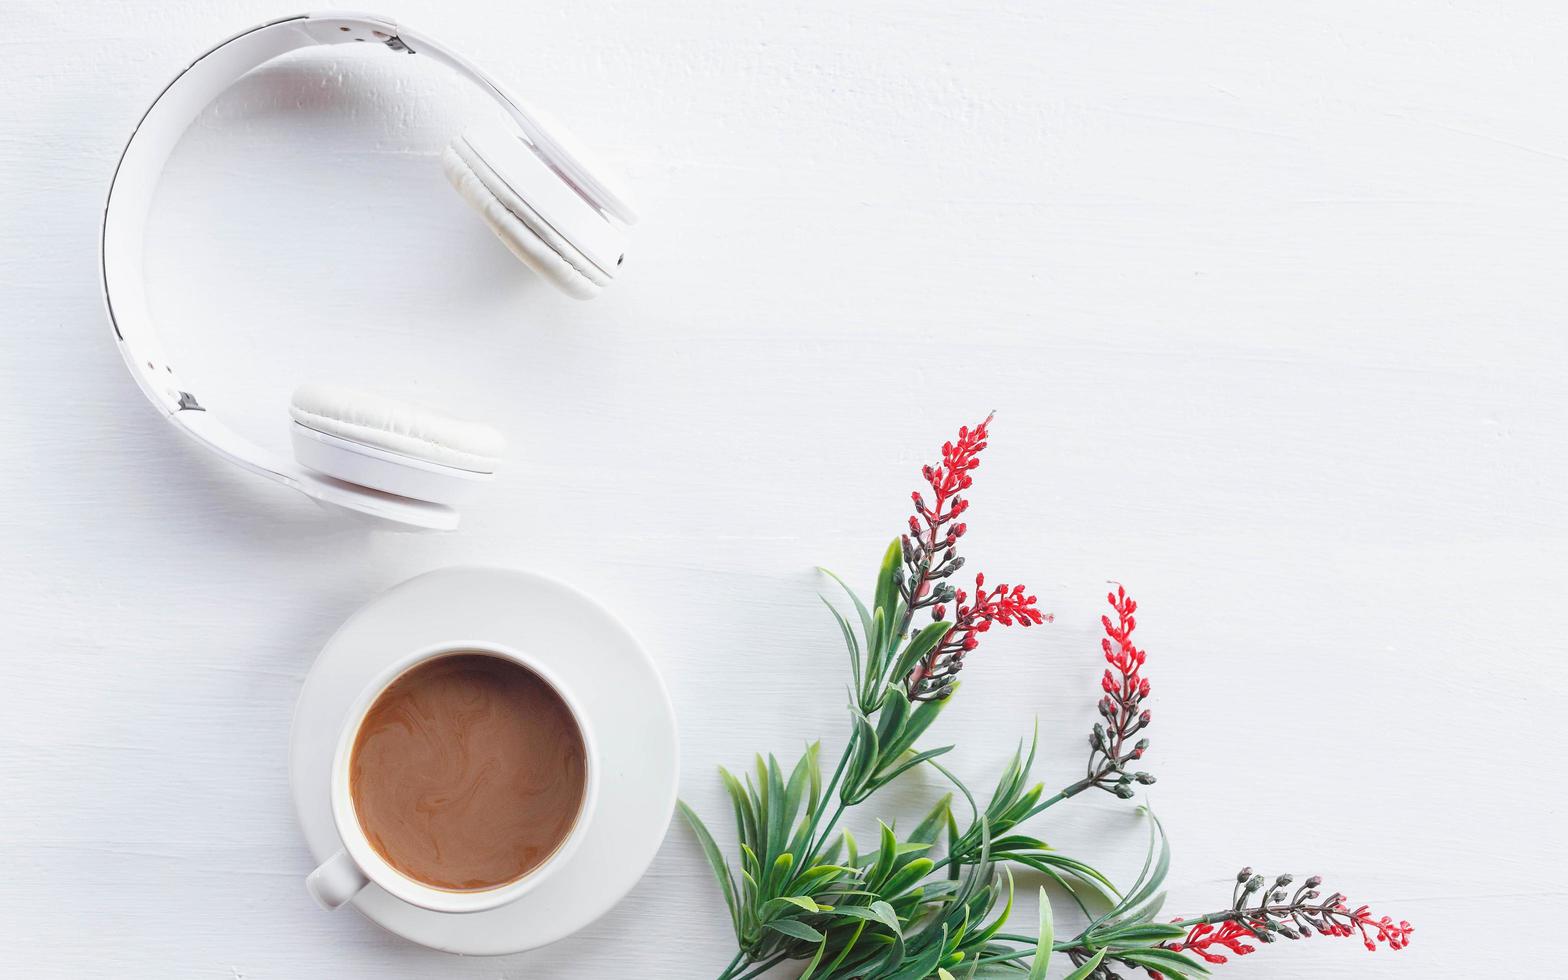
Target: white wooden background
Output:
[{"x": 1269, "y": 299}]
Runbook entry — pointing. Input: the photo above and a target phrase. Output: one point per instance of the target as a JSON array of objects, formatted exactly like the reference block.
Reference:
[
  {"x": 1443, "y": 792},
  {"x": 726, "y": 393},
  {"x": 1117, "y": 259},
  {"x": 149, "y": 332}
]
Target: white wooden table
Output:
[{"x": 1269, "y": 301}]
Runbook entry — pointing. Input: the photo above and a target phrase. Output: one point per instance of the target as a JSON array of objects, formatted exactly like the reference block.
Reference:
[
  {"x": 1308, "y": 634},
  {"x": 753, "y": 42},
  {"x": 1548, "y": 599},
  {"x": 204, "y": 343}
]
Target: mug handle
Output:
[{"x": 336, "y": 881}]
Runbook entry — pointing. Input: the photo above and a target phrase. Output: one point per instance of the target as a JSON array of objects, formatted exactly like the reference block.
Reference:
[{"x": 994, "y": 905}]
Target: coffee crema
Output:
[{"x": 468, "y": 772}]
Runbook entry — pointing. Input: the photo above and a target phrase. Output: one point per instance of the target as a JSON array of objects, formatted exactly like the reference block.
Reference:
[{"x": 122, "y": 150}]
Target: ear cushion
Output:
[
  {"x": 398, "y": 427},
  {"x": 529, "y": 236}
]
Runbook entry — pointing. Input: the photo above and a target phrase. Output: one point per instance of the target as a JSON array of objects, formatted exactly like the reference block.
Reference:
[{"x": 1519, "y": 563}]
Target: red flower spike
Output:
[
  {"x": 1260, "y": 912},
  {"x": 930, "y": 559},
  {"x": 1124, "y": 717}
]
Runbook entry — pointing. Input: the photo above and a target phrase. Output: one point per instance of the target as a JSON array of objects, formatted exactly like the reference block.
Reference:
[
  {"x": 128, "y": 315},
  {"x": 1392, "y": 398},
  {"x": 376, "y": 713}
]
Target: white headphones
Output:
[{"x": 370, "y": 454}]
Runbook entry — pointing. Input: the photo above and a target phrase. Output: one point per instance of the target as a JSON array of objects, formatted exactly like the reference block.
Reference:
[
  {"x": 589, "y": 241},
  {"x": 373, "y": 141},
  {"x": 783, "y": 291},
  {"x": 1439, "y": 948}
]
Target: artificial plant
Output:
[{"x": 935, "y": 902}]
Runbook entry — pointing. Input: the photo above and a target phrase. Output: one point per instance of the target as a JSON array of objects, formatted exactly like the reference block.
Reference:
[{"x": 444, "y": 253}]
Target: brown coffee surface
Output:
[{"x": 468, "y": 772}]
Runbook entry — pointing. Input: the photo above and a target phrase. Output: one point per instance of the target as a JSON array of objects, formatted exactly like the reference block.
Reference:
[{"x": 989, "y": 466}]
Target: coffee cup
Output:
[{"x": 427, "y": 682}]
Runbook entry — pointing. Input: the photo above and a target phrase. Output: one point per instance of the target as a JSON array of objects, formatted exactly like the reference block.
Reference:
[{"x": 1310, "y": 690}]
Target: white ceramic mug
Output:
[{"x": 357, "y": 863}]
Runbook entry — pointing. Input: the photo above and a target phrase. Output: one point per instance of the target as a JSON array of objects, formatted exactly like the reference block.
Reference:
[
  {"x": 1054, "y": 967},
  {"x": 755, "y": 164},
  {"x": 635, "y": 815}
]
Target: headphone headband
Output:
[{"x": 130, "y": 197}]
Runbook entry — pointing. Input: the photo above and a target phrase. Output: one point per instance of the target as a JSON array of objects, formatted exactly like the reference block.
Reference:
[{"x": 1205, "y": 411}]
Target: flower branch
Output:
[
  {"x": 932, "y": 903},
  {"x": 1262, "y": 912},
  {"x": 930, "y": 558},
  {"x": 1121, "y": 708}
]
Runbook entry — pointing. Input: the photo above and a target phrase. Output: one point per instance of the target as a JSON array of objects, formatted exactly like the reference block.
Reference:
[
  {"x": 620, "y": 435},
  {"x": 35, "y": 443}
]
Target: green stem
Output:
[
  {"x": 809, "y": 858},
  {"x": 735, "y": 964},
  {"x": 1065, "y": 794},
  {"x": 765, "y": 967},
  {"x": 827, "y": 831}
]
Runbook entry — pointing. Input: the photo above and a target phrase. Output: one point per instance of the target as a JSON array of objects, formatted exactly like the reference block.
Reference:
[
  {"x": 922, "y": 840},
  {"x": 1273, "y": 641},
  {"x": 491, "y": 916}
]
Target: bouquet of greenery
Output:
[{"x": 935, "y": 902}]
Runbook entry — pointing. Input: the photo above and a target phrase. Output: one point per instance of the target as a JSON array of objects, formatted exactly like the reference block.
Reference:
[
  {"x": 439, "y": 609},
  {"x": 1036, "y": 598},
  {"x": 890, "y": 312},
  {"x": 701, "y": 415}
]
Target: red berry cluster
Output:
[
  {"x": 1000, "y": 604},
  {"x": 1204, "y": 937},
  {"x": 1277, "y": 914},
  {"x": 930, "y": 552},
  {"x": 1122, "y": 706}
]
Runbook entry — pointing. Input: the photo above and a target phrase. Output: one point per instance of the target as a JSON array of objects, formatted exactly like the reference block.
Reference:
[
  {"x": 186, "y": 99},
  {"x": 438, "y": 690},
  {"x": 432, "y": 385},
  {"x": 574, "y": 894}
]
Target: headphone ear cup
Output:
[
  {"x": 392, "y": 446},
  {"x": 518, "y": 226}
]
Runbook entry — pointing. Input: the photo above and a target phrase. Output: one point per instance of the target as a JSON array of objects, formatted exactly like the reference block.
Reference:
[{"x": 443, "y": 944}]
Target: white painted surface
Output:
[{"x": 1269, "y": 300}]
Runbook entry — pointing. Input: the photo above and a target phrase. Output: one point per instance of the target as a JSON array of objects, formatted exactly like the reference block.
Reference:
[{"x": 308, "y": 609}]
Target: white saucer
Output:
[{"x": 620, "y": 691}]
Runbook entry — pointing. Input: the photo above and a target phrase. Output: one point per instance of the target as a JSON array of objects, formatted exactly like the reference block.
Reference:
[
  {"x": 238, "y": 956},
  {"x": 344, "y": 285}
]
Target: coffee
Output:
[{"x": 468, "y": 772}]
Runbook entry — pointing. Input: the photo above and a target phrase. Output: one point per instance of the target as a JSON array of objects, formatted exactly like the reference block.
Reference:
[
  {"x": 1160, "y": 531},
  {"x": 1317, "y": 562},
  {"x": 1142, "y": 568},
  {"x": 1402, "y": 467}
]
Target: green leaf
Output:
[
  {"x": 777, "y": 800},
  {"x": 849, "y": 641},
  {"x": 1023, "y": 806},
  {"x": 1160, "y": 854},
  {"x": 886, "y": 613},
  {"x": 1042, "y": 955},
  {"x": 876, "y": 662},
  {"x": 849, "y": 946},
  {"x": 740, "y": 801},
  {"x": 863, "y": 759},
  {"x": 1087, "y": 879},
  {"x": 811, "y": 968},
  {"x": 923, "y": 962},
  {"x": 919, "y": 648},
  {"x": 1175, "y": 966},
  {"x": 1018, "y": 843},
  {"x": 1087, "y": 970},
  {"x": 1149, "y": 910},
  {"x": 795, "y": 929},
  {"x": 1009, "y": 785},
  {"x": 887, "y": 853},
  {"x": 890, "y": 720},
  {"x": 779, "y": 874},
  {"x": 1139, "y": 933},
  {"x": 748, "y": 858},
  {"x": 952, "y": 838},
  {"x": 1144, "y": 894},
  {"x": 721, "y": 869},
  {"x": 856, "y": 911},
  {"x": 759, "y": 793},
  {"x": 991, "y": 930},
  {"x": 831, "y": 853},
  {"x": 799, "y": 783},
  {"x": 931, "y": 826},
  {"x": 883, "y": 912},
  {"x": 969, "y": 797},
  {"x": 796, "y": 901},
  {"x": 924, "y": 714},
  {"x": 907, "y": 877},
  {"x": 909, "y": 762},
  {"x": 860, "y": 607},
  {"x": 887, "y": 582},
  {"x": 815, "y": 798},
  {"x": 819, "y": 876}
]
